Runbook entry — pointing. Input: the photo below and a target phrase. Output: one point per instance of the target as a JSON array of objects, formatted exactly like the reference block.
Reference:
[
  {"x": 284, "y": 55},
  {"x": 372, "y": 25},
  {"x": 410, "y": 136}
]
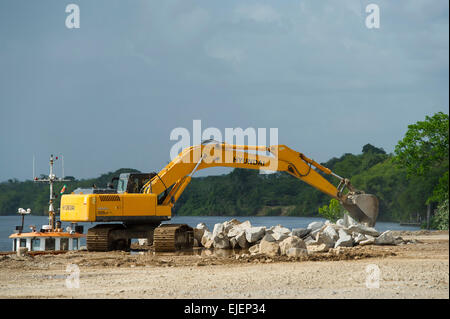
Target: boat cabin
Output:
[{"x": 56, "y": 240}]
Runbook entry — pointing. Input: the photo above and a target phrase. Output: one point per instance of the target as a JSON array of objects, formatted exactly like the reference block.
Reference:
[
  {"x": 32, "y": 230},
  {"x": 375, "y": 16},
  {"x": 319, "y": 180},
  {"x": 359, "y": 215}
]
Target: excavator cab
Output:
[{"x": 132, "y": 182}]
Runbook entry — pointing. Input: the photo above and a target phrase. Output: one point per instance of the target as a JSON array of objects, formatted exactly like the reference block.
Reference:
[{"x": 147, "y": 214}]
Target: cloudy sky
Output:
[{"x": 107, "y": 95}]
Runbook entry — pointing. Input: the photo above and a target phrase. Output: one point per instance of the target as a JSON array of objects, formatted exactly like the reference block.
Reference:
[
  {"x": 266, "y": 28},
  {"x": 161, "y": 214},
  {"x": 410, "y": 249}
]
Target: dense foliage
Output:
[
  {"x": 425, "y": 148},
  {"x": 440, "y": 219},
  {"x": 423, "y": 152}
]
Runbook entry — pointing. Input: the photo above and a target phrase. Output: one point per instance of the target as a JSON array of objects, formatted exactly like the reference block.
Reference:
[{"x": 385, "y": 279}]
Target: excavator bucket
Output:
[{"x": 362, "y": 207}]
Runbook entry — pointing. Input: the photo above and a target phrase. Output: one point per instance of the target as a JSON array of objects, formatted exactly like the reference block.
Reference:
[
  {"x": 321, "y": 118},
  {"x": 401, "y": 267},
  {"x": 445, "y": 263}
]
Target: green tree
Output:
[
  {"x": 440, "y": 219},
  {"x": 368, "y": 148},
  {"x": 424, "y": 149}
]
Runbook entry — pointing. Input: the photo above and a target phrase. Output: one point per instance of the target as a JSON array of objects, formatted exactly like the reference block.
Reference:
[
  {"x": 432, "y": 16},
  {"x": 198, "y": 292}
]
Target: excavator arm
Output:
[{"x": 173, "y": 179}]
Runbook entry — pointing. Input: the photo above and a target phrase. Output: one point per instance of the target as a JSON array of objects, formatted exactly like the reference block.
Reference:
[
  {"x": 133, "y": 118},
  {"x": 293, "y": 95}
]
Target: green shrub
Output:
[
  {"x": 440, "y": 219},
  {"x": 332, "y": 212}
]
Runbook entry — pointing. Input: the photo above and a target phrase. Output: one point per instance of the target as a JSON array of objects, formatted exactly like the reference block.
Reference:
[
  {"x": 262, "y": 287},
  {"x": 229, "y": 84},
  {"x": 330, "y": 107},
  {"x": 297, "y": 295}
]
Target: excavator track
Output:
[
  {"x": 98, "y": 237},
  {"x": 172, "y": 237}
]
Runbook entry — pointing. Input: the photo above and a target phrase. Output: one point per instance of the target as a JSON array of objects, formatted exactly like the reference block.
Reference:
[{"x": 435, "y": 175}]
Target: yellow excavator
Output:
[{"x": 142, "y": 201}]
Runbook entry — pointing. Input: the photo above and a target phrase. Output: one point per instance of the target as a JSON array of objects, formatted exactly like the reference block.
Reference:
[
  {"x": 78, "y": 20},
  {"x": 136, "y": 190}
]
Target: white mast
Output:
[{"x": 51, "y": 179}]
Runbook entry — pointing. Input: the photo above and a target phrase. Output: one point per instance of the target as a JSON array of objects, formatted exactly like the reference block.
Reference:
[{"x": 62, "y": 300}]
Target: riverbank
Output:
[{"x": 416, "y": 270}]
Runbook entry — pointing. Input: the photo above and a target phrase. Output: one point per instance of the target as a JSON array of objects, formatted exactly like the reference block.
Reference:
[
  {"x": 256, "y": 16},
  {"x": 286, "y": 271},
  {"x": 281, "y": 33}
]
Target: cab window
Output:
[{"x": 122, "y": 185}]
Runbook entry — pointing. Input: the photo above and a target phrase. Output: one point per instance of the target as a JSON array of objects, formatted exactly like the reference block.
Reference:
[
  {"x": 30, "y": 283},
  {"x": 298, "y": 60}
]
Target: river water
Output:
[{"x": 8, "y": 223}]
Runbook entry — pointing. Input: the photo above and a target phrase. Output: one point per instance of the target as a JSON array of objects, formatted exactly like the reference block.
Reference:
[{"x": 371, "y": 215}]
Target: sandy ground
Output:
[{"x": 414, "y": 270}]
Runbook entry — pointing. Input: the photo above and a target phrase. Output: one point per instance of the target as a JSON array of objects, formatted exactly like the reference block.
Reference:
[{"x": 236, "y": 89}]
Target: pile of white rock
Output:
[{"x": 278, "y": 240}]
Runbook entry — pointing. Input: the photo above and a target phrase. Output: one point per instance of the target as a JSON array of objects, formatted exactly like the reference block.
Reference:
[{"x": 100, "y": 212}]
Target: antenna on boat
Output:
[
  {"x": 22, "y": 212},
  {"x": 51, "y": 179}
]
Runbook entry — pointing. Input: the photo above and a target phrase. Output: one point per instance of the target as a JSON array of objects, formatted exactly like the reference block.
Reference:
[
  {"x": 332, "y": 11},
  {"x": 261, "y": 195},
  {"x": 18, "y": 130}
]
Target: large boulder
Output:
[
  {"x": 279, "y": 229},
  {"x": 331, "y": 233},
  {"x": 202, "y": 226},
  {"x": 340, "y": 222},
  {"x": 221, "y": 241},
  {"x": 315, "y": 225},
  {"x": 253, "y": 234},
  {"x": 279, "y": 236},
  {"x": 269, "y": 237},
  {"x": 345, "y": 240},
  {"x": 241, "y": 240},
  {"x": 301, "y": 232},
  {"x": 269, "y": 248},
  {"x": 323, "y": 238},
  {"x": 308, "y": 240},
  {"x": 198, "y": 234},
  {"x": 365, "y": 230},
  {"x": 238, "y": 228},
  {"x": 291, "y": 242},
  {"x": 314, "y": 233},
  {"x": 207, "y": 236},
  {"x": 229, "y": 224},
  {"x": 296, "y": 252},
  {"x": 349, "y": 221},
  {"x": 357, "y": 238},
  {"x": 279, "y": 232},
  {"x": 218, "y": 229},
  {"x": 386, "y": 238}
]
